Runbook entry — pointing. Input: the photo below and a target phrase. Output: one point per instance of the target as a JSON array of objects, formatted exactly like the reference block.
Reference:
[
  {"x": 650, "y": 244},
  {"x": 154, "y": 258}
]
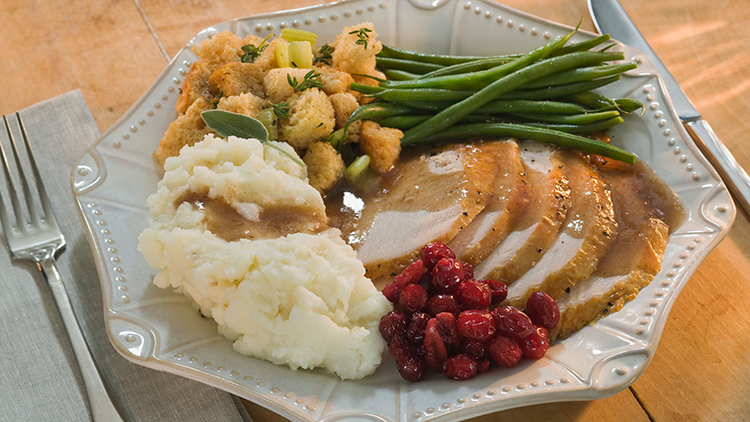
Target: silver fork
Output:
[{"x": 38, "y": 238}]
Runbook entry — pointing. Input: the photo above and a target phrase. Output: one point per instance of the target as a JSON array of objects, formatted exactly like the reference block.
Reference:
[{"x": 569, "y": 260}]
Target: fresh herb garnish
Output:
[
  {"x": 215, "y": 100},
  {"x": 281, "y": 110},
  {"x": 309, "y": 81},
  {"x": 227, "y": 123},
  {"x": 251, "y": 51},
  {"x": 324, "y": 55},
  {"x": 363, "y": 36}
]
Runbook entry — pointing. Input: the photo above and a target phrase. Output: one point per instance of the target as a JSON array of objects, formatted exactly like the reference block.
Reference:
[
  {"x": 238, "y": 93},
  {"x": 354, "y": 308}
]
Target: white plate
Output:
[{"x": 161, "y": 330}]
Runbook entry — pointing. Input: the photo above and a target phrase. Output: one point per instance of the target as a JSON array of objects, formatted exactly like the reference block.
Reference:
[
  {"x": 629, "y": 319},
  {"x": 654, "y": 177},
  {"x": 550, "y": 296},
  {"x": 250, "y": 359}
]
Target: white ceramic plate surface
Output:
[{"x": 160, "y": 329}]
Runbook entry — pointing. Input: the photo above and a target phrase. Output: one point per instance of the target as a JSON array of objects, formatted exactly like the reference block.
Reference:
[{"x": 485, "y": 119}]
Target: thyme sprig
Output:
[
  {"x": 281, "y": 110},
  {"x": 309, "y": 81},
  {"x": 363, "y": 36},
  {"x": 251, "y": 51},
  {"x": 215, "y": 100},
  {"x": 324, "y": 55}
]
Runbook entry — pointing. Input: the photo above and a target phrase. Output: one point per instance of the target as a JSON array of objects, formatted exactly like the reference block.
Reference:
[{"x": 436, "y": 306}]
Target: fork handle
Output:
[{"x": 100, "y": 403}]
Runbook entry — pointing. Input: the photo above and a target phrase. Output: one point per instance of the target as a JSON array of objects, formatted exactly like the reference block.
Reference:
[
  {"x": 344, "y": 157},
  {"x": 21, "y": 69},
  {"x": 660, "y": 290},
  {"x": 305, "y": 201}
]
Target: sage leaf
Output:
[{"x": 227, "y": 123}]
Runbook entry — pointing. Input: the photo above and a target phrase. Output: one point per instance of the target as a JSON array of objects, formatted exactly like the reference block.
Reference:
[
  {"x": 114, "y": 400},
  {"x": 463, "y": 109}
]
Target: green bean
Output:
[
  {"x": 461, "y": 81},
  {"x": 472, "y": 66},
  {"x": 570, "y": 74},
  {"x": 408, "y": 65},
  {"x": 559, "y": 91},
  {"x": 577, "y": 119},
  {"x": 365, "y": 89},
  {"x": 421, "y": 94},
  {"x": 445, "y": 59},
  {"x": 406, "y": 122},
  {"x": 592, "y": 100},
  {"x": 403, "y": 122},
  {"x": 580, "y": 129},
  {"x": 399, "y": 75},
  {"x": 628, "y": 105},
  {"x": 450, "y": 115},
  {"x": 599, "y": 102},
  {"x": 506, "y": 106},
  {"x": 581, "y": 46},
  {"x": 436, "y": 94},
  {"x": 538, "y": 134},
  {"x": 582, "y": 74},
  {"x": 375, "y": 110}
]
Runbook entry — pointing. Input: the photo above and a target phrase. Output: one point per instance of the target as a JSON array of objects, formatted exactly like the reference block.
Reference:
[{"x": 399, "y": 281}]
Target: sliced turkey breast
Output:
[
  {"x": 645, "y": 210},
  {"x": 511, "y": 194},
  {"x": 540, "y": 221},
  {"x": 585, "y": 236},
  {"x": 433, "y": 194}
]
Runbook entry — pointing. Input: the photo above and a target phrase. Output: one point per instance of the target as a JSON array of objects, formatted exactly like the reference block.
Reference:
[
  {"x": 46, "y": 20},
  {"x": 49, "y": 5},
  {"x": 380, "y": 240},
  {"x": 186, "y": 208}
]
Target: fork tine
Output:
[
  {"x": 15, "y": 203},
  {"x": 33, "y": 214},
  {"x": 49, "y": 214}
]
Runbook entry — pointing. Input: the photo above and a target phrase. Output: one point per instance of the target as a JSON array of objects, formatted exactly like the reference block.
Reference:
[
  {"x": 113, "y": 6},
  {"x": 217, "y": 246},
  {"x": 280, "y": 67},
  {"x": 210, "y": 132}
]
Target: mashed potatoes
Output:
[{"x": 300, "y": 299}]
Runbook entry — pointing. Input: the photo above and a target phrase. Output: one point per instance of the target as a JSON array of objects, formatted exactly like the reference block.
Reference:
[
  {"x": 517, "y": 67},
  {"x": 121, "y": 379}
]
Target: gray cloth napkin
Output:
[{"x": 39, "y": 380}]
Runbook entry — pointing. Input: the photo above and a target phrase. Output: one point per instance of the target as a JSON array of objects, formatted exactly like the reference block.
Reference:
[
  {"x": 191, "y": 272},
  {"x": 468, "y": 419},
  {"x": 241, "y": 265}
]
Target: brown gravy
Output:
[{"x": 223, "y": 220}]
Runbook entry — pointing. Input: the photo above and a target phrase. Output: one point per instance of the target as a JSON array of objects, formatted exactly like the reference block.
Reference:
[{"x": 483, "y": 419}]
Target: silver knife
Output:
[{"x": 610, "y": 17}]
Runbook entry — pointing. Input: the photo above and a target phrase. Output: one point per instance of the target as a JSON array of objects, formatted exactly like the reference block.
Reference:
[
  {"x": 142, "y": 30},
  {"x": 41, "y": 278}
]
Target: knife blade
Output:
[{"x": 610, "y": 17}]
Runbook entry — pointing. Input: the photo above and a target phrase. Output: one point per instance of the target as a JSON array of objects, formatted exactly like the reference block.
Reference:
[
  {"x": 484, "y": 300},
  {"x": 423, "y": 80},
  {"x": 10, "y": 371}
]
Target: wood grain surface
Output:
[{"x": 112, "y": 50}]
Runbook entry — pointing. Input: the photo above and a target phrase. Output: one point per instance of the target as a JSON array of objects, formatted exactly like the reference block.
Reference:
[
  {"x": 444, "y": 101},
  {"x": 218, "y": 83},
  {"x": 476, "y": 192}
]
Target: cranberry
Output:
[
  {"x": 474, "y": 348},
  {"x": 433, "y": 252},
  {"x": 446, "y": 274},
  {"x": 392, "y": 291},
  {"x": 411, "y": 274},
  {"x": 413, "y": 298},
  {"x": 483, "y": 365},
  {"x": 392, "y": 324},
  {"x": 499, "y": 290},
  {"x": 468, "y": 270},
  {"x": 543, "y": 310},
  {"x": 473, "y": 294},
  {"x": 443, "y": 303},
  {"x": 409, "y": 365},
  {"x": 476, "y": 324},
  {"x": 417, "y": 326},
  {"x": 460, "y": 367},
  {"x": 448, "y": 330},
  {"x": 512, "y": 322},
  {"x": 535, "y": 345},
  {"x": 505, "y": 351},
  {"x": 435, "y": 352}
]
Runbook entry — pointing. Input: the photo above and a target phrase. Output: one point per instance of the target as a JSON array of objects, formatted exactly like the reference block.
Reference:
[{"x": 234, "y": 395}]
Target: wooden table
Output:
[{"x": 113, "y": 51}]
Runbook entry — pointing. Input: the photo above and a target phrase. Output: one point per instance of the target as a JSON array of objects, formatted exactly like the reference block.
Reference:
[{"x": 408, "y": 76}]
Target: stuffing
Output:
[
  {"x": 382, "y": 144},
  {"x": 325, "y": 167},
  {"x": 267, "y": 58},
  {"x": 344, "y": 105},
  {"x": 187, "y": 129},
  {"x": 353, "y": 57},
  {"x": 334, "y": 80},
  {"x": 194, "y": 86},
  {"x": 276, "y": 84},
  {"x": 236, "y": 78},
  {"x": 247, "y": 104},
  {"x": 311, "y": 118},
  {"x": 221, "y": 48}
]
